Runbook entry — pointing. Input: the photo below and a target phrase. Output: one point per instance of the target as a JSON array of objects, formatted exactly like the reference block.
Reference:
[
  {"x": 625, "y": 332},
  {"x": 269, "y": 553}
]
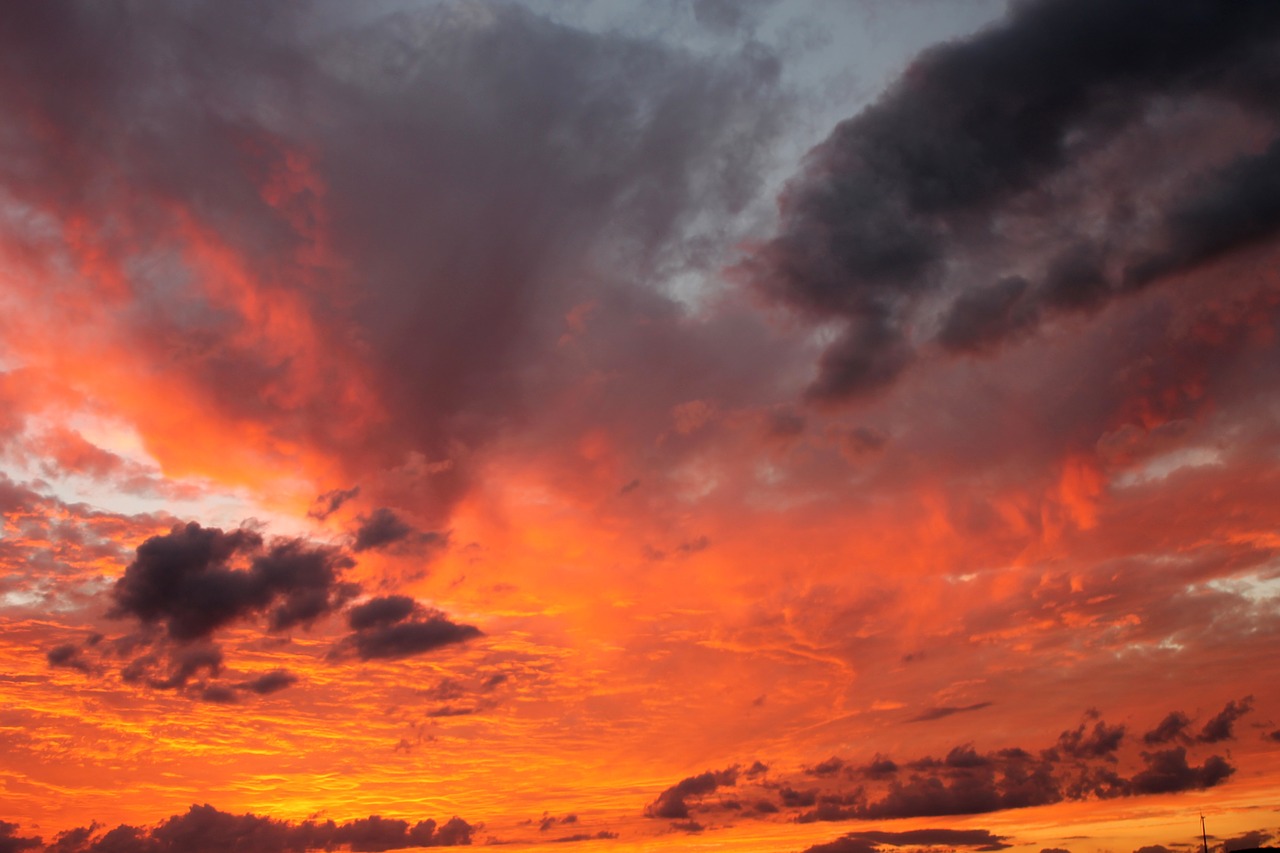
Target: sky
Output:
[{"x": 734, "y": 425}]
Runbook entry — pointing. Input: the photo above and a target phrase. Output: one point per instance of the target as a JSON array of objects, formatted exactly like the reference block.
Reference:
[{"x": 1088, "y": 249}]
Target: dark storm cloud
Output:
[
  {"x": 396, "y": 626},
  {"x": 672, "y": 803},
  {"x": 891, "y": 211},
  {"x": 186, "y": 580},
  {"x": 205, "y": 829},
  {"x": 1221, "y": 726}
]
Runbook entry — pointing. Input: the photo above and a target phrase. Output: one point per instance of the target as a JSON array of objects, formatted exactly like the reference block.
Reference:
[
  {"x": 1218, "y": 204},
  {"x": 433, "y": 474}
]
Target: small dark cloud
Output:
[
  {"x": 1275, "y": 735},
  {"x": 328, "y": 503},
  {"x": 67, "y": 656},
  {"x": 1222, "y": 726},
  {"x": 978, "y": 839},
  {"x": 830, "y": 767},
  {"x": 844, "y": 844},
  {"x": 1099, "y": 742},
  {"x": 219, "y": 694},
  {"x": 630, "y": 487},
  {"x": 385, "y": 610},
  {"x": 383, "y": 528},
  {"x": 688, "y": 826},
  {"x": 396, "y": 626},
  {"x": 602, "y": 835},
  {"x": 1054, "y": 850},
  {"x": 1172, "y": 727},
  {"x": 1248, "y": 841},
  {"x": 269, "y": 682},
  {"x": 205, "y": 829},
  {"x": 672, "y": 803},
  {"x": 880, "y": 767},
  {"x": 946, "y": 711}
]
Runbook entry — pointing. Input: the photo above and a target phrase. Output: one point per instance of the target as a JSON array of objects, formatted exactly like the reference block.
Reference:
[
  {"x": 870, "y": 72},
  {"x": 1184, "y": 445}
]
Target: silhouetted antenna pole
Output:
[{"x": 1204, "y": 835}]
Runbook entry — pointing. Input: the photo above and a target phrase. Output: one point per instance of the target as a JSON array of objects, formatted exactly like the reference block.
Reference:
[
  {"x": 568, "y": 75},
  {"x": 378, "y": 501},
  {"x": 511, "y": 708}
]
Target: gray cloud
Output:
[{"x": 978, "y": 158}]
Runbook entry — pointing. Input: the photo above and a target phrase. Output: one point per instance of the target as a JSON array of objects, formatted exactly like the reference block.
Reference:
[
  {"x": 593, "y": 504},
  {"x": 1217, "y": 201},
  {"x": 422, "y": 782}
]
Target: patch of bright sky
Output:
[
  {"x": 1162, "y": 466},
  {"x": 1255, "y": 587}
]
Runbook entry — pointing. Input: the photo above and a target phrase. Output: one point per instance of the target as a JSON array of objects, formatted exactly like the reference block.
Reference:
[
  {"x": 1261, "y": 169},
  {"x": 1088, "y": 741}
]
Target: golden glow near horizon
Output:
[{"x": 468, "y": 424}]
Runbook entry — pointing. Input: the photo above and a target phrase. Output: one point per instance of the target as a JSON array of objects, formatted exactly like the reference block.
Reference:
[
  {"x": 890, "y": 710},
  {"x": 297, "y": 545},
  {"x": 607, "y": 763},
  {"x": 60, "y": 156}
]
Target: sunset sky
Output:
[{"x": 711, "y": 425}]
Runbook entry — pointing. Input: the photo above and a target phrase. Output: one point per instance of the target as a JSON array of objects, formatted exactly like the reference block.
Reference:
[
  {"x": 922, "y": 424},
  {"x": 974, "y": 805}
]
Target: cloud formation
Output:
[
  {"x": 396, "y": 626},
  {"x": 205, "y": 829},
  {"x": 941, "y": 214},
  {"x": 187, "y": 581}
]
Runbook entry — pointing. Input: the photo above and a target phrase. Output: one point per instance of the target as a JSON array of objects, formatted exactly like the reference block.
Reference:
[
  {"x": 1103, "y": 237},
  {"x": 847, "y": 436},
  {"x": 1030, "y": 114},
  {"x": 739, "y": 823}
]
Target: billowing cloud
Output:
[
  {"x": 942, "y": 213},
  {"x": 1222, "y": 726},
  {"x": 673, "y": 802},
  {"x": 397, "y": 626},
  {"x": 204, "y": 829},
  {"x": 186, "y": 580}
]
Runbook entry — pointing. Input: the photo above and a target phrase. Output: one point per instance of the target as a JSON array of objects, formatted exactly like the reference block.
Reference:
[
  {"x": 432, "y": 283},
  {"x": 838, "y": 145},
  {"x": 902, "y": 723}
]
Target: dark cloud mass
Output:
[
  {"x": 186, "y": 580},
  {"x": 672, "y": 803},
  {"x": 397, "y": 626},
  {"x": 866, "y": 842},
  {"x": 383, "y": 147},
  {"x": 380, "y": 529},
  {"x": 1080, "y": 765},
  {"x": 1222, "y": 726},
  {"x": 205, "y": 829},
  {"x": 900, "y": 207}
]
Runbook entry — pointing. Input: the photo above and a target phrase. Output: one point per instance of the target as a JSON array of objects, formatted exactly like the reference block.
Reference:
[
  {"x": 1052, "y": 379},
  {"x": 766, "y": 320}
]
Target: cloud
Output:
[
  {"x": 979, "y": 839},
  {"x": 1172, "y": 727},
  {"x": 866, "y": 842},
  {"x": 1101, "y": 742},
  {"x": 331, "y": 501},
  {"x": 205, "y": 829},
  {"x": 946, "y": 711},
  {"x": 396, "y": 627},
  {"x": 1221, "y": 726},
  {"x": 11, "y": 842},
  {"x": 672, "y": 803},
  {"x": 915, "y": 221},
  {"x": 269, "y": 682},
  {"x": 382, "y": 528},
  {"x": 185, "y": 579},
  {"x": 1083, "y": 763},
  {"x": 1167, "y": 772},
  {"x": 68, "y": 656}
]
